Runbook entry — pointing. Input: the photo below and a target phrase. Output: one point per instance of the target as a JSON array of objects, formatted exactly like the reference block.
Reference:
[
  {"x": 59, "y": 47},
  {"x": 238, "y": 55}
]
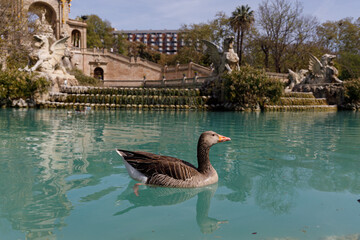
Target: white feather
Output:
[{"x": 135, "y": 174}]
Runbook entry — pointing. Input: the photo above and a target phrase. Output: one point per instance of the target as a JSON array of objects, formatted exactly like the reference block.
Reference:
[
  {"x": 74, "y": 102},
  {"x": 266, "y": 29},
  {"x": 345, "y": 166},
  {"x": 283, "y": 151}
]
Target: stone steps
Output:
[
  {"x": 299, "y": 108},
  {"x": 129, "y": 99},
  {"x": 113, "y": 98},
  {"x": 82, "y": 106},
  {"x": 130, "y": 91},
  {"x": 300, "y": 101},
  {"x": 286, "y": 101},
  {"x": 299, "y": 94}
]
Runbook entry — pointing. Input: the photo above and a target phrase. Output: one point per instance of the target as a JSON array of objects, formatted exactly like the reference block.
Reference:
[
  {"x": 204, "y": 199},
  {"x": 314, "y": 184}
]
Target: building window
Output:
[{"x": 75, "y": 38}]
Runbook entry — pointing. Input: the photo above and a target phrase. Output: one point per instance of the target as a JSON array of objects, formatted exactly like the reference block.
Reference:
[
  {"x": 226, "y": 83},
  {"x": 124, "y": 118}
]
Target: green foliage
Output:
[
  {"x": 99, "y": 33},
  {"x": 343, "y": 38},
  {"x": 15, "y": 84},
  {"x": 215, "y": 31},
  {"x": 240, "y": 21},
  {"x": 144, "y": 51},
  {"x": 83, "y": 79},
  {"x": 352, "y": 90},
  {"x": 251, "y": 86},
  {"x": 121, "y": 44},
  {"x": 349, "y": 65},
  {"x": 17, "y": 58}
]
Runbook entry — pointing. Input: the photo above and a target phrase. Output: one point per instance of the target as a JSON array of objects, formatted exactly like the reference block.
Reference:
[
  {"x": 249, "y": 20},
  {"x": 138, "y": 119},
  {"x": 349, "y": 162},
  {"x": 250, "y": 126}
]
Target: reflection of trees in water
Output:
[
  {"x": 273, "y": 155},
  {"x": 269, "y": 158},
  {"x": 276, "y": 190}
]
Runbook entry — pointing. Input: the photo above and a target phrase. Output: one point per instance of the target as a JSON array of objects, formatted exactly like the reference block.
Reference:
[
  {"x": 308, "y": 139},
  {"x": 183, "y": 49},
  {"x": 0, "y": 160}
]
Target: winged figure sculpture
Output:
[
  {"x": 323, "y": 71},
  {"x": 223, "y": 60},
  {"x": 319, "y": 72},
  {"x": 48, "y": 57}
]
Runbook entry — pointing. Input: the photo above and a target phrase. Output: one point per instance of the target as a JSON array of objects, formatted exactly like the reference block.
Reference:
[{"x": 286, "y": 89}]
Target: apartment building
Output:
[{"x": 164, "y": 41}]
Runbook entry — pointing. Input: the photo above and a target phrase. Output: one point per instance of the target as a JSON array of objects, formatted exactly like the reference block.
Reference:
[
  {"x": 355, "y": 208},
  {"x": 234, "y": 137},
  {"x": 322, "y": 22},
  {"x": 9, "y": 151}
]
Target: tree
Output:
[
  {"x": 13, "y": 34},
  {"x": 99, "y": 33},
  {"x": 240, "y": 21},
  {"x": 342, "y": 38},
  {"x": 143, "y": 51},
  {"x": 283, "y": 28},
  {"x": 191, "y": 35}
]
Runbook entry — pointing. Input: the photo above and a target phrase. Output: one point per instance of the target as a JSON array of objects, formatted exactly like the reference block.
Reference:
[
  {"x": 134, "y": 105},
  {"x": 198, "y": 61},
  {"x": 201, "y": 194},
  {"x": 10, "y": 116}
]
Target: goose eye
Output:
[{"x": 213, "y": 135}]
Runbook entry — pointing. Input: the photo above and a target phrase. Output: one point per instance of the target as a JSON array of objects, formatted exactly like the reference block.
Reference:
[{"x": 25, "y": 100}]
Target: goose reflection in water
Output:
[{"x": 162, "y": 196}]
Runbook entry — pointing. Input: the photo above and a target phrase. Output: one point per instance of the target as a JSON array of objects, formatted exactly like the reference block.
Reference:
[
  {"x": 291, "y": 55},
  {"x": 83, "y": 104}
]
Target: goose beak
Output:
[{"x": 223, "y": 139}]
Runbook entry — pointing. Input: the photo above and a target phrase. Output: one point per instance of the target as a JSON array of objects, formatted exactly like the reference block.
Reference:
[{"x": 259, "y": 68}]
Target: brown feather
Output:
[{"x": 153, "y": 165}]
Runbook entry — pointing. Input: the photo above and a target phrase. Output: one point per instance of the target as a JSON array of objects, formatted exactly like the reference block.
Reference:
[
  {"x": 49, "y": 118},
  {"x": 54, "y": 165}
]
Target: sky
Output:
[{"x": 172, "y": 14}]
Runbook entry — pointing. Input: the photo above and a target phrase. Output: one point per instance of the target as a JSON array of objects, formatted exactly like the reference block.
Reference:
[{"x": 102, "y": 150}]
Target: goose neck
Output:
[{"x": 204, "y": 164}]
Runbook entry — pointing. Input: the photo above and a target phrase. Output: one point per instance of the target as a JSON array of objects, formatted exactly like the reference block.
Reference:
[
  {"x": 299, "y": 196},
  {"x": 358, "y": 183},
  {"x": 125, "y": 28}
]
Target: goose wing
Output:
[{"x": 152, "y": 165}]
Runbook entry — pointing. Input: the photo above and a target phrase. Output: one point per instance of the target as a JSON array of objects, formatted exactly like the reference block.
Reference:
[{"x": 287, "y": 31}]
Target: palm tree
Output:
[{"x": 240, "y": 21}]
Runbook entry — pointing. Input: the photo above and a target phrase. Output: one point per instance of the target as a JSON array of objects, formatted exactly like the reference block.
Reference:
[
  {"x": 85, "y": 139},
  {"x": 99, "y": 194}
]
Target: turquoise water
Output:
[{"x": 283, "y": 176}]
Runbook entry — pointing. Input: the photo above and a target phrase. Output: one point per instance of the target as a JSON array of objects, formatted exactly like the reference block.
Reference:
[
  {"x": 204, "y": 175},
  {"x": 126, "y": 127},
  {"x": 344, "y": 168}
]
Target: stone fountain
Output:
[
  {"x": 49, "y": 56},
  {"x": 320, "y": 79}
]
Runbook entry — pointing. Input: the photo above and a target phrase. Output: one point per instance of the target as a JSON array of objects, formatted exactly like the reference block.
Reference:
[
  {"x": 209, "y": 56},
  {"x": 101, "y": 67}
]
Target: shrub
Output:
[
  {"x": 15, "y": 84},
  {"x": 352, "y": 90},
  {"x": 83, "y": 79},
  {"x": 250, "y": 86}
]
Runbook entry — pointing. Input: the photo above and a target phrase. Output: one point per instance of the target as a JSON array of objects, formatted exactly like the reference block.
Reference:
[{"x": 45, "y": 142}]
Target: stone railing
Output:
[
  {"x": 175, "y": 83},
  {"x": 284, "y": 77},
  {"x": 195, "y": 82}
]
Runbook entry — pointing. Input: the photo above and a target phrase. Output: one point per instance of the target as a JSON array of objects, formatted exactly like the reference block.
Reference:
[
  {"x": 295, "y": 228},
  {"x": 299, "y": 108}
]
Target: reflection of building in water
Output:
[
  {"x": 32, "y": 204},
  {"x": 34, "y": 198}
]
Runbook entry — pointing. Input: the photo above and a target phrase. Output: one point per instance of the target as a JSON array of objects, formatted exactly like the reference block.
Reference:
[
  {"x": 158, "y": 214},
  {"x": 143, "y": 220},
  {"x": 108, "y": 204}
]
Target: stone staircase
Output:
[
  {"x": 81, "y": 98},
  {"x": 300, "y": 101}
]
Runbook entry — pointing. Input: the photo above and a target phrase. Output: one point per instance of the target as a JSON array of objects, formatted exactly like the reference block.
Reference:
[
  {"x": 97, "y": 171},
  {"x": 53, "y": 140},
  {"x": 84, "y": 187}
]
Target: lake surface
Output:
[{"x": 283, "y": 176}]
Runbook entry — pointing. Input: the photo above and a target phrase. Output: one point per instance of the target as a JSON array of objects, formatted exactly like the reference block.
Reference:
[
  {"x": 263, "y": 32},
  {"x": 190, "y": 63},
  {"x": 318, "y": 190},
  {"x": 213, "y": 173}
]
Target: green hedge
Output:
[
  {"x": 83, "y": 79},
  {"x": 250, "y": 86},
  {"x": 15, "y": 84},
  {"x": 352, "y": 90}
]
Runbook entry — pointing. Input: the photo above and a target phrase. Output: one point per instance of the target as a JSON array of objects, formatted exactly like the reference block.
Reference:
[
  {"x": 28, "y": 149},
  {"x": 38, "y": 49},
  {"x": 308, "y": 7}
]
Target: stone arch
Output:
[
  {"x": 35, "y": 12},
  {"x": 99, "y": 73},
  {"x": 76, "y": 38}
]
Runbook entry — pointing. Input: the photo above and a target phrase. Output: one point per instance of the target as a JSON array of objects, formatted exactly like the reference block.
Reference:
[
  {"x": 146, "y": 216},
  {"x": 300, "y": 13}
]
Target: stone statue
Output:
[
  {"x": 320, "y": 72},
  {"x": 296, "y": 78},
  {"x": 43, "y": 27},
  {"x": 49, "y": 58},
  {"x": 66, "y": 60},
  {"x": 223, "y": 61},
  {"x": 324, "y": 71}
]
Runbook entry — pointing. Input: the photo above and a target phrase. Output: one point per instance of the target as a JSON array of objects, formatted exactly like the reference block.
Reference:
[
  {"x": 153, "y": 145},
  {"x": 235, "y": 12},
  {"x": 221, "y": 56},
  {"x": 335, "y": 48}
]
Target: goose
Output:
[{"x": 159, "y": 170}]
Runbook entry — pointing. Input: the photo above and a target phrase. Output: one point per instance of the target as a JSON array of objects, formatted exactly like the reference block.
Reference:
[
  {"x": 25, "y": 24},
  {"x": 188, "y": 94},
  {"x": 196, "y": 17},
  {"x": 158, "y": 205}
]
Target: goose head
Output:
[{"x": 210, "y": 138}]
